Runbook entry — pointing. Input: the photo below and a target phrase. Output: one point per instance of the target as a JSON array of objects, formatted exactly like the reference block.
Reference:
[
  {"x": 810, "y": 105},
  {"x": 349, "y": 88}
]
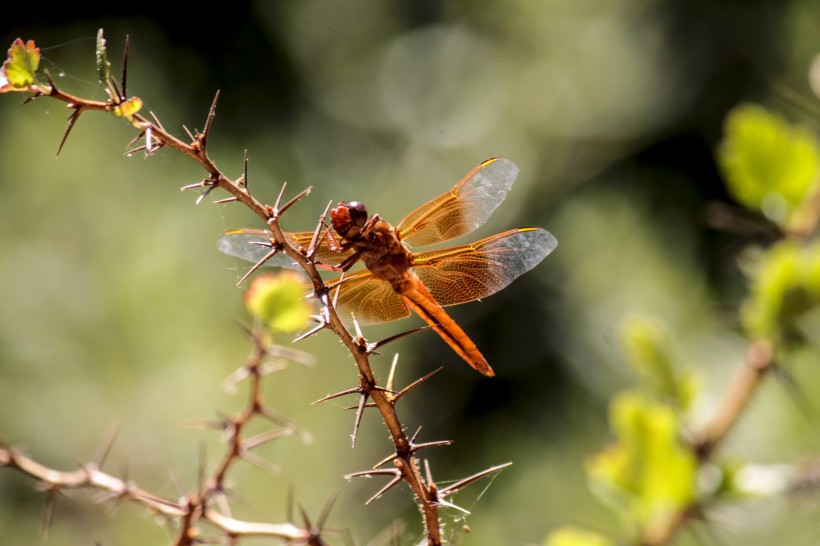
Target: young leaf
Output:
[
  {"x": 20, "y": 68},
  {"x": 768, "y": 164},
  {"x": 650, "y": 352},
  {"x": 128, "y": 108},
  {"x": 649, "y": 474},
  {"x": 278, "y": 300},
  {"x": 785, "y": 287}
]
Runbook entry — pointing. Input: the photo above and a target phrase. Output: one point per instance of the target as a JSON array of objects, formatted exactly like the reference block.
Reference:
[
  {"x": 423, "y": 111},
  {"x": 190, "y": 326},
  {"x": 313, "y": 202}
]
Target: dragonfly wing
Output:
[
  {"x": 469, "y": 272},
  {"x": 254, "y": 244},
  {"x": 463, "y": 208},
  {"x": 368, "y": 299}
]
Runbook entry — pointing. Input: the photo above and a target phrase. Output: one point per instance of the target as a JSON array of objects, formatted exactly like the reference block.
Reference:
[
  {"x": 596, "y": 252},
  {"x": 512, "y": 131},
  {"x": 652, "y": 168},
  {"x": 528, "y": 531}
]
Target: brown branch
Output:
[
  {"x": 748, "y": 377},
  {"x": 197, "y": 506}
]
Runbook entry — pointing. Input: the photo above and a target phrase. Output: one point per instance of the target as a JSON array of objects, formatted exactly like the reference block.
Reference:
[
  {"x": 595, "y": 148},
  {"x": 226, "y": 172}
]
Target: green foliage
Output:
[
  {"x": 20, "y": 68},
  {"x": 785, "y": 287},
  {"x": 278, "y": 300},
  {"x": 768, "y": 164},
  {"x": 128, "y": 108},
  {"x": 648, "y": 474},
  {"x": 650, "y": 352},
  {"x": 572, "y": 536}
]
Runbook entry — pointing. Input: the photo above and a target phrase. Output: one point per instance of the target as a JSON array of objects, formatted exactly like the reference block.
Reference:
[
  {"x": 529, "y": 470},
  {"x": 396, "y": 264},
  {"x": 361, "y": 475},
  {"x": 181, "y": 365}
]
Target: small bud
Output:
[{"x": 278, "y": 300}]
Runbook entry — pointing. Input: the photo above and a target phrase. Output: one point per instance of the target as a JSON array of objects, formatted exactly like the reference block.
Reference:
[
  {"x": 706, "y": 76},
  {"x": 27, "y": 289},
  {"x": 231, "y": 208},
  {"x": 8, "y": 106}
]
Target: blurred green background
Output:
[{"x": 117, "y": 309}]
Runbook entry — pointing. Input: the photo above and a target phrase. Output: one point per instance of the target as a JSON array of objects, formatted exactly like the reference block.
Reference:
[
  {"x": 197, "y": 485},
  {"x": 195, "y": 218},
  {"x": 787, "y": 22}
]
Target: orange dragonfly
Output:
[{"x": 397, "y": 280}]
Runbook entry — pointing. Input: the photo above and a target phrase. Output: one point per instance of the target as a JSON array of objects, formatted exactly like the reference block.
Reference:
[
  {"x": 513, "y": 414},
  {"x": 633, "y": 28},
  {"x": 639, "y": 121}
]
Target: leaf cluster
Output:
[{"x": 654, "y": 473}]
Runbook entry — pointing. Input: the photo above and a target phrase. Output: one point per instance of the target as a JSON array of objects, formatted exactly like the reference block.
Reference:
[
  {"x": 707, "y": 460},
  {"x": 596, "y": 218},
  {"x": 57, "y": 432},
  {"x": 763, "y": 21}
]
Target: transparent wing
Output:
[
  {"x": 463, "y": 208},
  {"x": 254, "y": 244},
  {"x": 469, "y": 272},
  {"x": 369, "y": 299}
]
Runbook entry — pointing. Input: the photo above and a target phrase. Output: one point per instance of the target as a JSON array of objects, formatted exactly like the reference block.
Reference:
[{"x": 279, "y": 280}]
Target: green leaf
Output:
[
  {"x": 103, "y": 66},
  {"x": 785, "y": 288},
  {"x": 128, "y": 108},
  {"x": 768, "y": 164},
  {"x": 572, "y": 536},
  {"x": 279, "y": 301},
  {"x": 648, "y": 474},
  {"x": 650, "y": 352},
  {"x": 20, "y": 68}
]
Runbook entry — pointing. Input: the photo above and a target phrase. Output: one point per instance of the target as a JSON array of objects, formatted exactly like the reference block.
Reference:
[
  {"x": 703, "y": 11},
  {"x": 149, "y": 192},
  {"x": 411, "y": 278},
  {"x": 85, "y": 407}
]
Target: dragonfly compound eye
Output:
[{"x": 358, "y": 213}]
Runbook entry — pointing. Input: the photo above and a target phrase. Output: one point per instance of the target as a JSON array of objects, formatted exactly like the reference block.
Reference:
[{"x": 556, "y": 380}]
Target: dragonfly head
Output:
[{"x": 348, "y": 219}]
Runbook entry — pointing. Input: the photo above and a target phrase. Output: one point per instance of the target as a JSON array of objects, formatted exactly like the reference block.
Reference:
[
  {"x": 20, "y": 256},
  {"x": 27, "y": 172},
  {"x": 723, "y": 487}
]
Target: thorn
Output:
[
  {"x": 392, "y": 376},
  {"x": 259, "y": 264},
  {"x": 192, "y": 186},
  {"x": 305, "y": 517},
  {"x": 265, "y": 437},
  {"x": 105, "y": 447},
  {"x": 124, "y": 79},
  {"x": 245, "y": 181},
  {"x": 71, "y": 121},
  {"x": 222, "y": 502},
  {"x": 131, "y": 151},
  {"x": 314, "y": 246},
  {"x": 286, "y": 206},
  {"x": 211, "y": 185},
  {"x": 51, "y": 83},
  {"x": 116, "y": 89},
  {"x": 134, "y": 140},
  {"x": 149, "y": 141},
  {"x": 395, "y": 472},
  {"x": 354, "y": 390},
  {"x": 203, "y": 139},
  {"x": 48, "y": 515},
  {"x": 261, "y": 463},
  {"x": 437, "y": 443},
  {"x": 284, "y": 422},
  {"x": 294, "y": 355},
  {"x": 358, "y": 330},
  {"x": 323, "y": 515},
  {"x": 372, "y": 404},
  {"x": 273, "y": 367},
  {"x": 449, "y": 504},
  {"x": 157, "y": 122},
  {"x": 177, "y": 483},
  {"x": 316, "y": 329},
  {"x": 416, "y": 383},
  {"x": 190, "y": 135},
  {"x": 385, "y": 461},
  {"x": 226, "y": 200},
  {"x": 414, "y": 448},
  {"x": 461, "y": 484},
  {"x": 359, "y": 413},
  {"x": 391, "y": 339},
  {"x": 236, "y": 377},
  {"x": 338, "y": 291}
]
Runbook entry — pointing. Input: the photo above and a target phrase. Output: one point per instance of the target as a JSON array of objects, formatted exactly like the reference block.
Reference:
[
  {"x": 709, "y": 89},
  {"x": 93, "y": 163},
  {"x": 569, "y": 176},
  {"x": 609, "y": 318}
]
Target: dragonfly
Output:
[{"x": 397, "y": 280}]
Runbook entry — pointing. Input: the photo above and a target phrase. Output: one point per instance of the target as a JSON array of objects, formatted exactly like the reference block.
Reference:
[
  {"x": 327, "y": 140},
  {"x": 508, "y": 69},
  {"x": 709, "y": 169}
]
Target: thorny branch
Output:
[
  {"x": 198, "y": 506},
  {"x": 194, "y": 507}
]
